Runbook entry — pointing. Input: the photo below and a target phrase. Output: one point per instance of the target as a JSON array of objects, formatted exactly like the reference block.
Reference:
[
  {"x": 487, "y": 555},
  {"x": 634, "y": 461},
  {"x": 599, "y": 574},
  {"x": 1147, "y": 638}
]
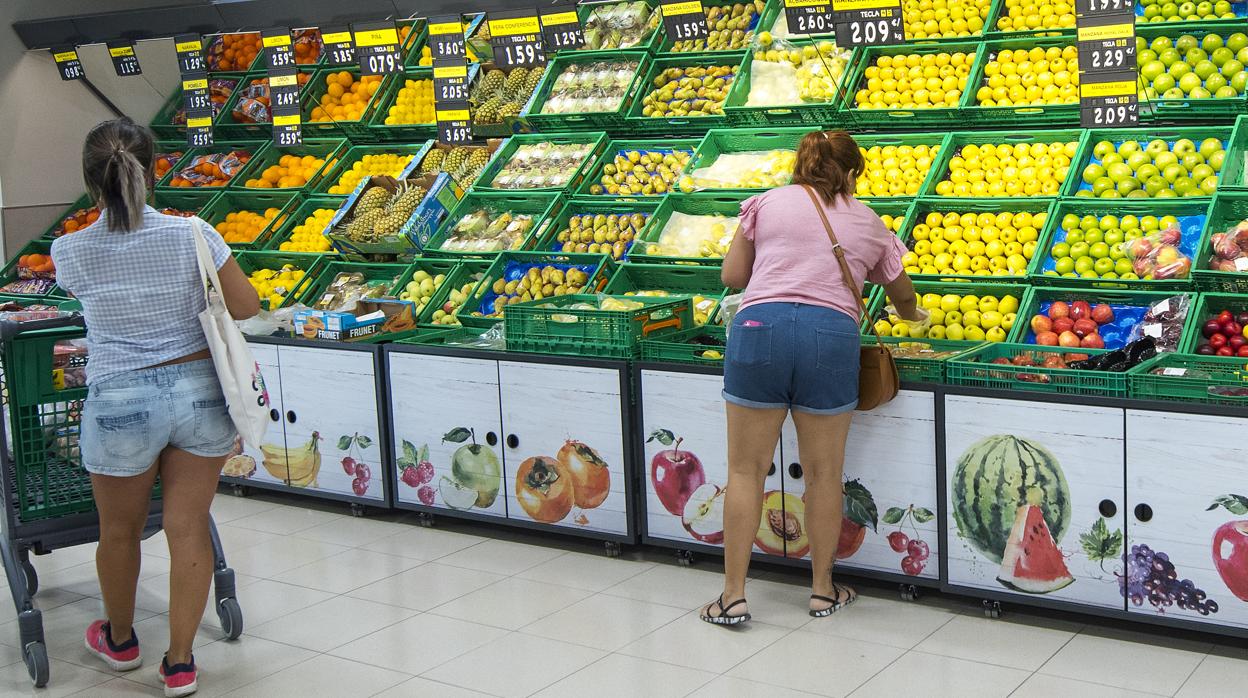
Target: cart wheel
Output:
[
  {"x": 32, "y": 577},
  {"x": 231, "y": 617},
  {"x": 36, "y": 657},
  {"x": 613, "y": 548},
  {"x": 909, "y": 592},
  {"x": 992, "y": 609}
]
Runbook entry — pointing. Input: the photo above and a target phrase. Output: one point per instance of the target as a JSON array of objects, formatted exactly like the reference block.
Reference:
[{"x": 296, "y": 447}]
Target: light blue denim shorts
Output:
[{"x": 128, "y": 419}]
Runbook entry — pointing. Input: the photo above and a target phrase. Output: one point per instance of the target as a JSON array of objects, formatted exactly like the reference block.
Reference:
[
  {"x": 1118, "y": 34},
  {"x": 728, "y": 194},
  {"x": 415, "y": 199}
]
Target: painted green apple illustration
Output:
[{"x": 475, "y": 466}]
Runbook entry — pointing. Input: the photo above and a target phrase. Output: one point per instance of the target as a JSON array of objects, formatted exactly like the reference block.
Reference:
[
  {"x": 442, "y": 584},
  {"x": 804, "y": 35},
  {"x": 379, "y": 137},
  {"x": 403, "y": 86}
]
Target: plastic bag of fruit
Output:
[
  {"x": 1163, "y": 322},
  {"x": 1158, "y": 256},
  {"x": 252, "y": 106},
  {"x": 1230, "y": 248},
  {"x": 783, "y": 73},
  {"x": 211, "y": 169},
  {"x": 756, "y": 169},
  {"x": 695, "y": 236}
]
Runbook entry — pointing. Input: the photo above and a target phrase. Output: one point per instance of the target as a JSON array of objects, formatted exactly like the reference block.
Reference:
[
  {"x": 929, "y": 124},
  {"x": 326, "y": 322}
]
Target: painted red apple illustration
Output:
[
  {"x": 859, "y": 514},
  {"x": 674, "y": 473},
  {"x": 1230, "y": 545},
  {"x": 704, "y": 514}
]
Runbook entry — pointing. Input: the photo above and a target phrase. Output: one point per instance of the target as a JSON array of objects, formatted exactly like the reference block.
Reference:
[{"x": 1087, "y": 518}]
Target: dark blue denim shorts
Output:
[{"x": 792, "y": 356}]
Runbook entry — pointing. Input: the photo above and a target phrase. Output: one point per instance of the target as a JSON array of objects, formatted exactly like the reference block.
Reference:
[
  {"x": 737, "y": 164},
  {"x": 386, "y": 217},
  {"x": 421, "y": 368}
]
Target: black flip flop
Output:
[
  {"x": 723, "y": 618},
  {"x": 835, "y": 605}
]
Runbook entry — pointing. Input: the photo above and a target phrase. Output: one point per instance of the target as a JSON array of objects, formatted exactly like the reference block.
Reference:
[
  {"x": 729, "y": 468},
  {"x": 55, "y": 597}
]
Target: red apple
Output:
[
  {"x": 1230, "y": 556},
  {"x": 1224, "y": 317},
  {"x": 1068, "y": 339},
  {"x": 1236, "y": 341},
  {"x": 1040, "y": 323},
  {"x": 1224, "y": 351},
  {"x": 1048, "y": 339},
  {"x": 1059, "y": 309},
  {"x": 1092, "y": 341},
  {"x": 1242, "y": 352},
  {"x": 1065, "y": 324},
  {"x": 1080, "y": 310},
  {"x": 1140, "y": 248},
  {"x": 1171, "y": 236},
  {"x": 1000, "y": 360},
  {"x": 1242, "y": 319},
  {"x": 1210, "y": 328},
  {"x": 1076, "y": 357},
  {"x": 1102, "y": 314},
  {"x": 1232, "y": 328},
  {"x": 1217, "y": 341},
  {"x": 1085, "y": 326}
]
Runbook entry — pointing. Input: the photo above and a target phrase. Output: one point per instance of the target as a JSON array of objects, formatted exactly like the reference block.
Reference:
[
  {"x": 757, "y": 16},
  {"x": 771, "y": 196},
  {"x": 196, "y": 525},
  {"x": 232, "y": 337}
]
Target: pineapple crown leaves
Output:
[{"x": 860, "y": 505}]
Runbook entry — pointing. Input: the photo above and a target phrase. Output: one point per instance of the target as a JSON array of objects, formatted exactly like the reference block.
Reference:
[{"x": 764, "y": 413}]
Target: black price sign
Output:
[
  {"x": 125, "y": 62},
  {"x": 199, "y": 129},
  {"x": 287, "y": 127},
  {"x": 67, "y": 63},
  {"x": 279, "y": 53},
  {"x": 450, "y": 82},
  {"x": 195, "y": 93},
  {"x": 684, "y": 20},
  {"x": 517, "y": 38},
  {"x": 1104, "y": 7},
  {"x": 339, "y": 46},
  {"x": 377, "y": 48},
  {"x": 1109, "y": 100},
  {"x": 284, "y": 90},
  {"x": 1106, "y": 43},
  {"x": 562, "y": 29},
  {"x": 190, "y": 50},
  {"x": 446, "y": 38},
  {"x": 454, "y": 123},
  {"x": 868, "y": 22},
  {"x": 809, "y": 16}
]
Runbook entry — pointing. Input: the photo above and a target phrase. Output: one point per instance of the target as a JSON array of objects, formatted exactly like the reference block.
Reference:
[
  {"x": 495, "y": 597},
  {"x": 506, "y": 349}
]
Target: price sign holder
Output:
[
  {"x": 454, "y": 123},
  {"x": 561, "y": 29},
  {"x": 516, "y": 36},
  {"x": 684, "y": 20},
  {"x": 199, "y": 128},
  {"x": 446, "y": 38},
  {"x": 1091, "y": 8},
  {"x": 1108, "y": 81},
  {"x": 125, "y": 61},
  {"x": 287, "y": 127},
  {"x": 1106, "y": 42},
  {"x": 195, "y": 93},
  {"x": 868, "y": 22},
  {"x": 377, "y": 48},
  {"x": 450, "y": 81},
  {"x": 279, "y": 53},
  {"x": 1109, "y": 99},
  {"x": 67, "y": 63},
  {"x": 190, "y": 50},
  {"x": 809, "y": 16},
  {"x": 284, "y": 89},
  {"x": 339, "y": 46}
]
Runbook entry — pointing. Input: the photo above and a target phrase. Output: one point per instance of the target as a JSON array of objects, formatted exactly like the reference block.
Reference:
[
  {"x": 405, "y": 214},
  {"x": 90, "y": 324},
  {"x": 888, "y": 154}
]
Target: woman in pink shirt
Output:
[{"x": 793, "y": 348}]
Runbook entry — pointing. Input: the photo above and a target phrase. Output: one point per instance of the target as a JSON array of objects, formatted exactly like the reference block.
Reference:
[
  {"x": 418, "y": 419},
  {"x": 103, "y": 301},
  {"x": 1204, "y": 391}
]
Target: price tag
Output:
[
  {"x": 562, "y": 29},
  {"x": 199, "y": 129},
  {"x": 377, "y": 48},
  {"x": 454, "y": 123},
  {"x": 1101, "y": 7},
  {"x": 284, "y": 90},
  {"x": 67, "y": 63},
  {"x": 868, "y": 22},
  {"x": 809, "y": 16},
  {"x": 516, "y": 36},
  {"x": 125, "y": 62},
  {"x": 1106, "y": 43},
  {"x": 684, "y": 20},
  {"x": 1109, "y": 100},
  {"x": 287, "y": 127},
  {"x": 450, "y": 81},
  {"x": 446, "y": 38},
  {"x": 1241, "y": 264},
  {"x": 339, "y": 46},
  {"x": 190, "y": 50},
  {"x": 279, "y": 54},
  {"x": 195, "y": 93}
]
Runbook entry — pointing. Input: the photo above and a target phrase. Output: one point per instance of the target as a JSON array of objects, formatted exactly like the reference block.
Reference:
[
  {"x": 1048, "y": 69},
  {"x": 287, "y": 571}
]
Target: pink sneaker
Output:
[
  {"x": 179, "y": 679},
  {"x": 123, "y": 657}
]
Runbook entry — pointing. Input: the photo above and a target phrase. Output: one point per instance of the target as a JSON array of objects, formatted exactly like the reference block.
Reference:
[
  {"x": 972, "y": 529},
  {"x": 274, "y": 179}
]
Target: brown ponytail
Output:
[
  {"x": 829, "y": 161},
  {"x": 117, "y": 162}
]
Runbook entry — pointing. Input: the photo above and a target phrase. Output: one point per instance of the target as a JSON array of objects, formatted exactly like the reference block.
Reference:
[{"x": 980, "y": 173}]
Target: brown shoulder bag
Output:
[{"x": 878, "y": 381}]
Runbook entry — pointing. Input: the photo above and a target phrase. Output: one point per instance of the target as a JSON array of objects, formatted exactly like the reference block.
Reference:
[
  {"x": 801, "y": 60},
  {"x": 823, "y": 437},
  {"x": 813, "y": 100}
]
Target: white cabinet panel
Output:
[
  {"x": 564, "y": 449},
  {"x": 268, "y": 463},
  {"x": 446, "y": 414},
  {"x": 1066, "y": 460},
  {"x": 1181, "y": 467}
]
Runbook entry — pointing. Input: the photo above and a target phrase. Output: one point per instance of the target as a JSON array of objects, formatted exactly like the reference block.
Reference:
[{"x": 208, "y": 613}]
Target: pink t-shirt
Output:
[{"x": 793, "y": 258}]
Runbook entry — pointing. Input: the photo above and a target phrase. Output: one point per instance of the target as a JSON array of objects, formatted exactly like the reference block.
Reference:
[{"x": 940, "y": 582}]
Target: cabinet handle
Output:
[
  {"x": 772, "y": 470},
  {"x": 290, "y": 416},
  {"x": 1143, "y": 512},
  {"x": 795, "y": 471},
  {"x": 491, "y": 438},
  {"x": 275, "y": 415},
  {"x": 1108, "y": 508},
  {"x": 512, "y": 441}
]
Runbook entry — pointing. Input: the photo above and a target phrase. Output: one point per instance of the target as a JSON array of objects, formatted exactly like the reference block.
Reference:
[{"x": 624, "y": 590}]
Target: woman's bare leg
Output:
[
  {"x": 821, "y": 450},
  {"x": 123, "y": 504}
]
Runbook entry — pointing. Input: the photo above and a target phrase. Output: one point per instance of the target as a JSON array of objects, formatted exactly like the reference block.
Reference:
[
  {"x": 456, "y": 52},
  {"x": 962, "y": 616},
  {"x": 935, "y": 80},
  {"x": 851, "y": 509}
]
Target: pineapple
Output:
[
  {"x": 432, "y": 161},
  {"x": 455, "y": 161},
  {"x": 535, "y": 76},
  {"x": 515, "y": 82},
  {"x": 487, "y": 113},
  {"x": 362, "y": 227},
  {"x": 371, "y": 199},
  {"x": 493, "y": 82},
  {"x": 406, "y": 200}
]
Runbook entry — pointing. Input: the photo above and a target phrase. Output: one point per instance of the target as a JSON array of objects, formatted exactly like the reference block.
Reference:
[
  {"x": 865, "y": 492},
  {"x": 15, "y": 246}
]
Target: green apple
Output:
[{"x": 477, "y": 467}]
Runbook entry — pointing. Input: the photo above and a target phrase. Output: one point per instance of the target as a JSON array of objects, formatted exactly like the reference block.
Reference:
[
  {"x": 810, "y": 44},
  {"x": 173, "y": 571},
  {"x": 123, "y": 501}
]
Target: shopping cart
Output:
[{"x": 46, "y": 493}]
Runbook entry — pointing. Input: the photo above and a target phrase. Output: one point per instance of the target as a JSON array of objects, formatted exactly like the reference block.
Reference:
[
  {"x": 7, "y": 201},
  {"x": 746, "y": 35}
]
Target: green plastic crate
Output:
[
  {"x": 211, "y": 49},
  {"x": 999, "y": 10},
  {"x": 1077, "y": 187},
  {"x": 610, "y": 121},
  {"x": 928, "y": 205},
  {"x": 558, "y": 219},
  {"x": 721, "y": 141},
  {"x": 1051, "y": 115},
  {"x": 185, "y": 200},
  {"x": 416, "y": 39},
  {"x": 763, "y": 21},
  {"x": 683, "y": 347},
  {"x": 869, "y": 141},
  {"x": 594, "y": 172},
  {"x": 300, "y": 213},
  {"x": 1238, "y": 7},
  {"x": 251, "y": 261},
  {"x": 538, "y": 204},
  {"x": 1158, "y": 109},
  {"x": 372, "y": 271},
  {"x": 961, "y": 287},
  {"x": 892, "y": 210},
  {"x": 550, "y": 326},
  {"x": 1187, "y": 378},
  {"x": 596, "y": 140},
  {"x": 812, "y": 115},
  {"x": 976, "y": 370},
  {"x": 356, "y": 153},
  {"x": 164, "y": 124},
  {"x": 434, "y": 267},
  {"x": 453, "y": 336},
  {"x": 226, "y": 127},
  {"x": 960, "y": 139},
  {"x": 251, "y": 147},
  {"x": 698, "y": 204},
  {"x": 1227, "y": 210},
  {"x": 639, "y": 124},
  {"x": 925, "y": 368},
  {"x": 8, "y": 274},
  {"x": 938, "y": 117},
  {"x": 674, "y": 280},
  {"x": 81, "y": 203},
  {"x": 509, "y": 265},
  {"x": 1205, "y": 307},
  {"x": 1192, "y": 215},
  {"x": 648, "y": 43},
  {"x": 405, "y": 133},
  {"x": 315, "y": 90},
  {"x": 257, "y": 202},
  {"x": 1136, "y": 302},
  {"x": 1235, "y": 167},
  {"x": 459, "y": 274},
  {"x": 328, "y": 149}
]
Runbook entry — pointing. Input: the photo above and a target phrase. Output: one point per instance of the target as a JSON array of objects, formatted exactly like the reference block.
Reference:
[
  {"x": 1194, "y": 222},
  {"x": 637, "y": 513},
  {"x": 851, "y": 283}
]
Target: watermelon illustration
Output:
[
  {"x": 1032, "y": 562},
  {"x": 996, "y": 476}
]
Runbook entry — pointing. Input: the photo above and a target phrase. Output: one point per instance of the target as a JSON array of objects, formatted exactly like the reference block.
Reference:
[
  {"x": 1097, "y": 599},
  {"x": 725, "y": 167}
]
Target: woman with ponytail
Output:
[{"x": 154, "y": 405}]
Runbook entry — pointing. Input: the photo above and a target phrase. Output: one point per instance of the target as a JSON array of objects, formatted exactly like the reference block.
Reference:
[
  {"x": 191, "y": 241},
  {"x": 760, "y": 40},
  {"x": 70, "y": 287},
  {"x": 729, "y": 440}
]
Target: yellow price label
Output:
[
  {"x": 286, "y": 120},
  {"x": 682, "y": 8},
  {"x": 560, "y": 18},
  {"x": 121, "y": 51},
  {"x": 337, "y": 38},
  {"x": 851, "y": 5},
  {"x": 451, "y": 71},
  {"x": 514, "y": 26},
  {"x": 377, "y": 37},
  {"x": 446, "y": 28},
  {"x": 453, "y": 115},
  {"x": 199, "y": 121},
  {"x": 65, "y": 56},
  {"x": 188, "y": 46},
  {"x": 807, "y": 3},
  {"x": 1109, "y": 31},
  {"x": 1107, "y": 89},
  {"x": 275, "y": 41},
  {"x": 189, "y": 85},
  {"x": 283, "y": 80}
]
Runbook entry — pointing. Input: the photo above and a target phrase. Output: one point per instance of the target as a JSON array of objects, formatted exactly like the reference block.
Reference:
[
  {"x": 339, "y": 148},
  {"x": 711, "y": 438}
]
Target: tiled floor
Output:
[{"x": 338, "y": 606}]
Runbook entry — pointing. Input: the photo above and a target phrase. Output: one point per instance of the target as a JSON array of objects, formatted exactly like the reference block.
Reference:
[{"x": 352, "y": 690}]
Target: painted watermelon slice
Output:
[{"x": 1032, "y": 562}]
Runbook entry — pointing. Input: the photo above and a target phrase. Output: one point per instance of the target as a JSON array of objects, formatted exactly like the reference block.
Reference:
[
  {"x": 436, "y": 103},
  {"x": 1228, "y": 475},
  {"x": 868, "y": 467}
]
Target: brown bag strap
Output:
[{"x": 846, "y": 275}]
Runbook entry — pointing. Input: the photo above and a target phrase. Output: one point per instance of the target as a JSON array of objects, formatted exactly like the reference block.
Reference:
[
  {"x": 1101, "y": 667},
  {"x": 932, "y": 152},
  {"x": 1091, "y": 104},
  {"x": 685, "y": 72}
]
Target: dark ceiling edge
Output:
[{"x": 161, "y": 22}]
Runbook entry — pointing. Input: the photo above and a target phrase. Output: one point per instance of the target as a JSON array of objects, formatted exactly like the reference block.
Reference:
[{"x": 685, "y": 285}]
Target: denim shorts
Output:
[
  {"x": 128, "y": 419},
  {"x": 792, "y": 356}
]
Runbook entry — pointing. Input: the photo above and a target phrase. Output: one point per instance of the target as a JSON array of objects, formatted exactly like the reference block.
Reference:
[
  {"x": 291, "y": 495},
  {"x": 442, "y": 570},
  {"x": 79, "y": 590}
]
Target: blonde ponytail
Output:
[{"x": 117, "y": 168}]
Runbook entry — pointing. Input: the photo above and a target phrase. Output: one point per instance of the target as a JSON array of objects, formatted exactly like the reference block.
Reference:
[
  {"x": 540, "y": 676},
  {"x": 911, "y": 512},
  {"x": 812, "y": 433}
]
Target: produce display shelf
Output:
[
  {"x": 822, "y": 115},
  {"x": 951, "y": 35},
  {"x": 227, "y": 127},
  {"x": 327, "y": 149},
  {"x": 509, "y": 125},
  {"x": 463, "y": 274},
  {"x": 540, "y": 205},
  {"x": 398, "y": 133},
  {"x": 959, "y": 287},
  {"x": 674, "y": 281},
  {"x": 308, "y": 263},
  {"x": 186, "y": 200},
  {"x": 372, "y": 271},
  {"x": 251, "y": 147},
  {"x": 356, "y": 153},
  {"x": 992, "y": 30},
  {"x": 726, "y": 204},
  {"x": 1187, "y": 378},
  {"x": 81, "y": 203},
  {"x": 556, "y": 326},
  {"x": 1143, "y": 135},
  {"x": 648, "y": 43},
  {"x": 895, "y": 210},
  {"x": 943, "y": 205},
  {"x": 610, "y": 121},
  {"x": 509, "y": 266},
  {"x": 639, "y": 124},
  {"x": 417, "y": 39},
  {"x": 958, "y": 140},
  {"x": 721, "y": 141},
  {"x": 940, "y": 140},
  {"x": 257, "y": 202},
  {"x": 1206, "y": 307},
  {"x": 1055, "y": 114},
  {"x": 596, "y": 140},
  {"x": 920, "y": 369},
  {"x": 1129, "y": 308},
  {"x": 1238, "y": 7},
  {"x": 902, "y": 117},
  {"x": 299, "y": 214},
  {"x": 683, "y": 347},
  {"x": 594, "y": 173},
  {"x": 762, "y": 21},
  {"x": 558, "y": 220},
  {"x": 9, "y": 273},
  {"x": 1228, "y": 210},
  {"x": 1235, "y": 167},
  {"x": 1158, "y": 108},
  {"x": 313, "y": 96},
  {"x": 976, "y": 369},
  {"x": 163, "y": 124}
]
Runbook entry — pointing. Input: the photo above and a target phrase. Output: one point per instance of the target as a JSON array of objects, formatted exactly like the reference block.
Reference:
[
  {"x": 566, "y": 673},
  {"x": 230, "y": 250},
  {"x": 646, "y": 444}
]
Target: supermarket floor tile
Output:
[
  {"x": 350, "y": 569},
  {"x": 1127, "y": 660},
  {"x": 419, "y": 643},
  {"x": 330, "y": 623},
  {"x": 883, "y": 622},
  {"x": 511, "y": 604},
  {"x": 515, "y": 665},
  {"x": 821, "y": 664},
  {"x": 501, "y": 557},
  {"x": 934, "y": 676},
  {"x": 1005, "y": 642},
  {"x": 323, "y": 675},
  {"x": 617, "y": 676},
  {"x": 426, "y": 586},
  {"x": 1045, "y": 686},
  {"x": 583, "y": 571},
  {"x": 582, "y": 622}
]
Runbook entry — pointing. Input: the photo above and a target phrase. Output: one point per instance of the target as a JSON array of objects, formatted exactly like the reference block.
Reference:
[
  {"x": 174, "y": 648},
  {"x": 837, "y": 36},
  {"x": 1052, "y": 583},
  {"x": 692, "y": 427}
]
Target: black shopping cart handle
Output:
[{"x": 10, "y": 329}]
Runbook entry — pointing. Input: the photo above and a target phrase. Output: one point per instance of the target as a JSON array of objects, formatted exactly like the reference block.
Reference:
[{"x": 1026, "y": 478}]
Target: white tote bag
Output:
[{"x": 245, "y": 395}]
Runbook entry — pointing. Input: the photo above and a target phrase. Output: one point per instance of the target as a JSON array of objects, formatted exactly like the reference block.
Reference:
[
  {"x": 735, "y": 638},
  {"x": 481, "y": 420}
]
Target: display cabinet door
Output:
[
  {"x": 447, "y": 428},
  {"x": 332, "y": 426},
  {"x": 564, "y": 446},
  {"x": 686, "y": 459},
  {"x": 1030, "y": 485},
  {"x": 1187, "y": 515},
  {"x": 267, "y": 464},
  {"x": 890, "y": 487}
]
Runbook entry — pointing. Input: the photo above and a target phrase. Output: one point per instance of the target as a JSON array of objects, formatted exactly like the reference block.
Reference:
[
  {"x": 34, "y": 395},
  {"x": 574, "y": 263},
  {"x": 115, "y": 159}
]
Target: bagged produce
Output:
[
  {"x": 782, "y": 73},
  {"x": 1163, "y": 323},
  {"x": 695, "y": 236},
  {"x": 1230, "y": 248},
  {"x": 1158, "y": 256},
  {"x": 756, "y": 169},
  {"x": 621, "y": 25},
  {"x": 587, "y": 88}
]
